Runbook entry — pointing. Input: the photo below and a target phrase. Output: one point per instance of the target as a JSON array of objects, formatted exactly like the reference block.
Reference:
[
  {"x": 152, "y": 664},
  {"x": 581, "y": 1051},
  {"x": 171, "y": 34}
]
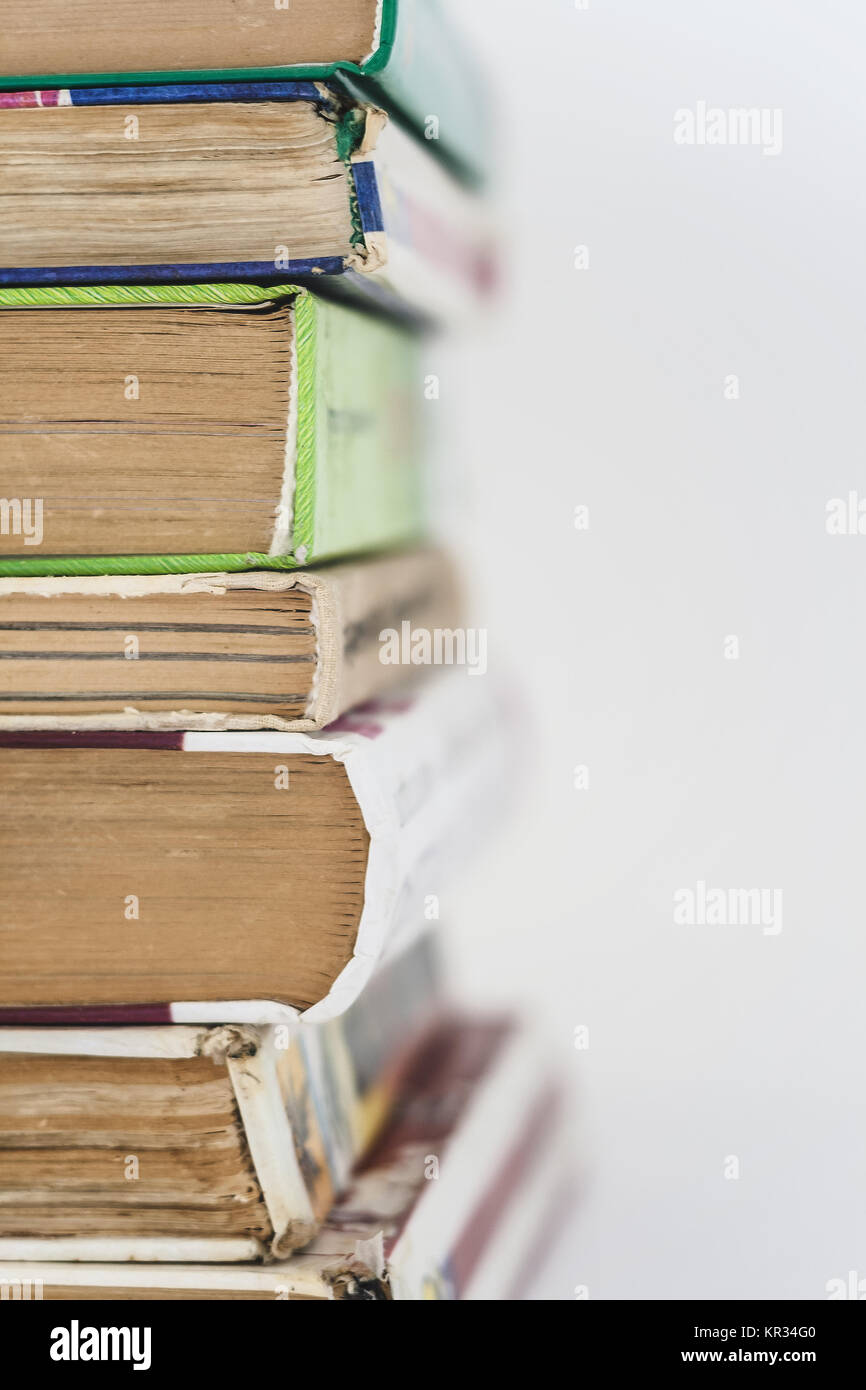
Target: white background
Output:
[{"x": 605, "y": 387}]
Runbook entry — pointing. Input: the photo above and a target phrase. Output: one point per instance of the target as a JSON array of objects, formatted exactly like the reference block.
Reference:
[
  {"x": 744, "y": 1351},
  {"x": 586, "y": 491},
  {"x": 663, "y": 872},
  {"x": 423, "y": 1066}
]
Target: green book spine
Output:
[
  {"x": 430, "y": 83},
  {"x": 357, "y": 477},
  {"x": 419, "y": 73},
  {"x": 290, "y": 72}
]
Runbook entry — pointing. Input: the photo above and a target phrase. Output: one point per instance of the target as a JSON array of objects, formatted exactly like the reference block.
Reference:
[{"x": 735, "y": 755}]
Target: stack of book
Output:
[{"x": 228, "y": 1067}]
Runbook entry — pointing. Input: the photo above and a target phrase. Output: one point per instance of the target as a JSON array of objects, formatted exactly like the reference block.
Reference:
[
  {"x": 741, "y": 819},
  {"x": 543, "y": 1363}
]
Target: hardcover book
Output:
[
  {"x": 458, "y": 1200},
  {"x": 400, "y": 53},
  {"x": 180, "y": 1143},
  {"x": 256, "y": 650},
  {"x": 264, "y": 182},
  {"x": 167, "y": 429},
  {"x": 244, "y": 877}
]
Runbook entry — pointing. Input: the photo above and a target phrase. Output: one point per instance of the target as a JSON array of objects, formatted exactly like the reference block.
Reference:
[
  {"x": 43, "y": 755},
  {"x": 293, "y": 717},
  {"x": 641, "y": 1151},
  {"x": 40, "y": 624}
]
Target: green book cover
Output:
[
  {"x": 430, "y": 82},
  {"x": 416, "y": 67},
  {"x": 352, "y": 481}
]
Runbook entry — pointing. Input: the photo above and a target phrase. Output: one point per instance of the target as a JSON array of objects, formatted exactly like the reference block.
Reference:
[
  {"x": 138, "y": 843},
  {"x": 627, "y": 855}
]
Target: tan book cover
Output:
[{"x": 255, "y": 650}]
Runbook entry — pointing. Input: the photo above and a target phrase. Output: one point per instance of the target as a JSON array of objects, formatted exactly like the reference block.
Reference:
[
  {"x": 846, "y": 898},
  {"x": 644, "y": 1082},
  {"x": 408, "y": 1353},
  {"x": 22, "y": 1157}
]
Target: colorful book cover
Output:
[
  {"x": 419, "y": 243},
  {"x": 346, "y": 491}
]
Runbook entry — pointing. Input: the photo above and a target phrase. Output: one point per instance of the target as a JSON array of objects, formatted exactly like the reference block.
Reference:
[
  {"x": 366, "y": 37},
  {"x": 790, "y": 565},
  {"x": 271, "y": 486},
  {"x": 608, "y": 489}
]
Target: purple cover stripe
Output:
[
  {"x": 476, "y": 1235},
  {"x": 85, "y": 1015},
  {"x": 94, "y": 738}
]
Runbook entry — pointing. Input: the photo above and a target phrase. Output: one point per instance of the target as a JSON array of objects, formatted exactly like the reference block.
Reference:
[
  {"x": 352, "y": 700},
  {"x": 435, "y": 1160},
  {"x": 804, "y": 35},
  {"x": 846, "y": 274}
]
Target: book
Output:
[
  {"x": 255, "y": 650},
  {"x": 235, "y": 877},
  {"x": 263, "y": 182},
  {"x": 167, "y": 429},
  {"x": 458, "y": 1200},
  {"x": 402, "y": 54},
  {"x": 210, "y": 1143}
]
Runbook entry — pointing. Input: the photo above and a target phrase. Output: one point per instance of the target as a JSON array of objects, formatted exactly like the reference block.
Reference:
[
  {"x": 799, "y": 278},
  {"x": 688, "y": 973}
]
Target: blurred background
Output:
[{"x": 679, "y": 349}]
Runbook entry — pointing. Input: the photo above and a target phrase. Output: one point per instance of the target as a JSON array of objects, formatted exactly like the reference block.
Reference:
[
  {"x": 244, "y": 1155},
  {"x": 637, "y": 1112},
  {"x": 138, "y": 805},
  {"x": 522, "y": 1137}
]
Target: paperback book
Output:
[{"x": 235, "y": 877}]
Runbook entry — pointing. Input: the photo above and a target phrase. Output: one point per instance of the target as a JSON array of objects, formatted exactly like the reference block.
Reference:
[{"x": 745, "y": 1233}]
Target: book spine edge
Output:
[{"x": 271, "y": 1144}]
